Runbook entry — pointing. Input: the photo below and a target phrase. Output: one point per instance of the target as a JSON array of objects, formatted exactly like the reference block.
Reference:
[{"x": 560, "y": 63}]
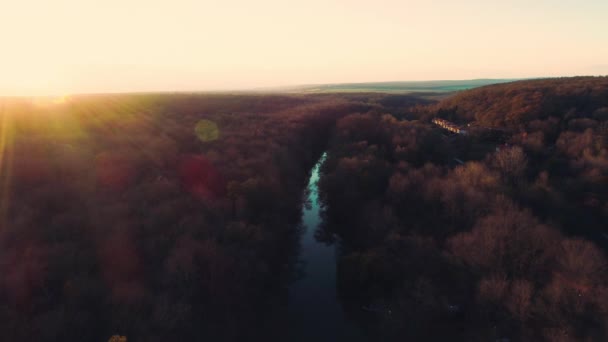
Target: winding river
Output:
[{"x": 314, "y": 309}]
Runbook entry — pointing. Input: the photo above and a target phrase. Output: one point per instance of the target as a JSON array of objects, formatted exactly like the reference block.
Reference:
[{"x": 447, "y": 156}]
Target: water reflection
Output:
[{"x": 315, "y": 314}]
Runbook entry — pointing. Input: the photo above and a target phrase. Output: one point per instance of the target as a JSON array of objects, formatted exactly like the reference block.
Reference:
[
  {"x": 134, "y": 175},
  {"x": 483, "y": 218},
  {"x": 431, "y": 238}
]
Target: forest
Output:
[
  {"x": 506, "y": 243},
  {"x": 174, "y": 217}
]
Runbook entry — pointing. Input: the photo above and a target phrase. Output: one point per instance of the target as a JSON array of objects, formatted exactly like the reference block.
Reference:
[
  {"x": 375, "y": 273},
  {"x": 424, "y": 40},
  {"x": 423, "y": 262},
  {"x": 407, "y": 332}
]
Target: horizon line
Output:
[{"x": 286, "y": 88}]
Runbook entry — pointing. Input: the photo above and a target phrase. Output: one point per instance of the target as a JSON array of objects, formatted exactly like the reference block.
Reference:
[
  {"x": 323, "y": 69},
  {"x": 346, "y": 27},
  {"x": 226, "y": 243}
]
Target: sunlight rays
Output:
[
  {"x": 50, "y": 101},
  {"x": 6, "y": 159},
  {"x": 46, "y": 138}
]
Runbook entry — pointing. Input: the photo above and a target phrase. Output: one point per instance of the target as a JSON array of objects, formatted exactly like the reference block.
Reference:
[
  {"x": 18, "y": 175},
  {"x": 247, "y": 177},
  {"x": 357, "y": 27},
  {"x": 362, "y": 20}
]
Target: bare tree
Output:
[{"x": 511, "y": 162}]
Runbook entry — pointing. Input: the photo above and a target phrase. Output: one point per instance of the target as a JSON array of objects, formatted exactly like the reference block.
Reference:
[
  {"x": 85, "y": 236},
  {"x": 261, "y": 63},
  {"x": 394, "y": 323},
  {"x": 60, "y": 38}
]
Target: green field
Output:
[{"x": 398, "y": 87}]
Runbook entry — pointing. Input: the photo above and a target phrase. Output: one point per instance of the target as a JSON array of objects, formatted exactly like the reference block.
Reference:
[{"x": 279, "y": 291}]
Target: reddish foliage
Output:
[
  {"x": 121, "y": 266},
  {"x": 115, "y": 171},
  {"x": 23, "y": 270},
  {"x": 200, "y": 177}
]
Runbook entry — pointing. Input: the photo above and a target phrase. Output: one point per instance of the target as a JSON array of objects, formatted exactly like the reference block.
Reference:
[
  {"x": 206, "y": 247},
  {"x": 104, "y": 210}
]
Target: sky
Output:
[{"x": 55, "y": 47}]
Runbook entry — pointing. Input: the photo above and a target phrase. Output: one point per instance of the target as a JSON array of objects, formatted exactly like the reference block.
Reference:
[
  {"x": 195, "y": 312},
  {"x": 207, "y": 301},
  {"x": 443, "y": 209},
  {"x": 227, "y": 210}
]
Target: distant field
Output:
[{"x": 398, "y": 87}]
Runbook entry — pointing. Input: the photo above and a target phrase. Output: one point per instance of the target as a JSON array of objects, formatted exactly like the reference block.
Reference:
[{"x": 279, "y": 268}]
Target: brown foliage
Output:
[
  {"x": 511, "y": 162},
  {"x": 510, "y": 241},
  {"x": 115, "y": 207},
  {"x": 581, "y": 263}
]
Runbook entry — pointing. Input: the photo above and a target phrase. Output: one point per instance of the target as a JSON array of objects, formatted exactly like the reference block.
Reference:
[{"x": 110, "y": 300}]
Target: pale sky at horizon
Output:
[{"x": 81, "y": 46}]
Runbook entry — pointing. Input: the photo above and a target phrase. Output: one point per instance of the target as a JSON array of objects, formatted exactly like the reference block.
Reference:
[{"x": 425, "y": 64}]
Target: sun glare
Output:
[
  {"x": 48, "y": 101},
  {"x": 60, "y": 99}
]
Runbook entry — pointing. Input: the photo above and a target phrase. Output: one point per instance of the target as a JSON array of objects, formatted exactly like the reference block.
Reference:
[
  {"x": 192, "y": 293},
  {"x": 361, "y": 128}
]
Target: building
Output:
[{"x": 450, "y": 126}]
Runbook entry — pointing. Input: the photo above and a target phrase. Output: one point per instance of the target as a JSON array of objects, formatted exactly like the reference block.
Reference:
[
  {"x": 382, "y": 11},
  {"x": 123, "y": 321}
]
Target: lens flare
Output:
[
  {"x": 207, "y": 130},
  {"x": 200, "y": 177}
]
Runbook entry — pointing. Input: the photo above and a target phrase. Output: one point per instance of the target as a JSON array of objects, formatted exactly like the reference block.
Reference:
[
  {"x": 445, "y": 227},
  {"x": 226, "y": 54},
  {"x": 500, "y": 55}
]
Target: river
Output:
[{"x": 314, "y": 310}]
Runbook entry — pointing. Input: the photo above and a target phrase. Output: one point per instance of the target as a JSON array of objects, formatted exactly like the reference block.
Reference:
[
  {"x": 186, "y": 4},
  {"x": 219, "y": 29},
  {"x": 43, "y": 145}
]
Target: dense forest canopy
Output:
[
  {"x": 495, "y": 234},
  {"x": 175, "y": 217},
  {"x": 153, "y": 216}
]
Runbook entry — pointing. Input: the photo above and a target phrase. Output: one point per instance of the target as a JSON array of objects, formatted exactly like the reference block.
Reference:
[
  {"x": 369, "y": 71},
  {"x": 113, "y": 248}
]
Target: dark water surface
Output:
[{"x": 314, "y": 309}]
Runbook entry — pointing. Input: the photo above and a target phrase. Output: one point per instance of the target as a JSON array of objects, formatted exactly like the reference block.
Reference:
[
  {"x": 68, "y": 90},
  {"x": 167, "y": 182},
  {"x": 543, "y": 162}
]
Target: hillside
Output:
[
  {"x": 496, "y": 234},
  {"x": 561, "y": 124},
  {"x": 520, "y": 103}
]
